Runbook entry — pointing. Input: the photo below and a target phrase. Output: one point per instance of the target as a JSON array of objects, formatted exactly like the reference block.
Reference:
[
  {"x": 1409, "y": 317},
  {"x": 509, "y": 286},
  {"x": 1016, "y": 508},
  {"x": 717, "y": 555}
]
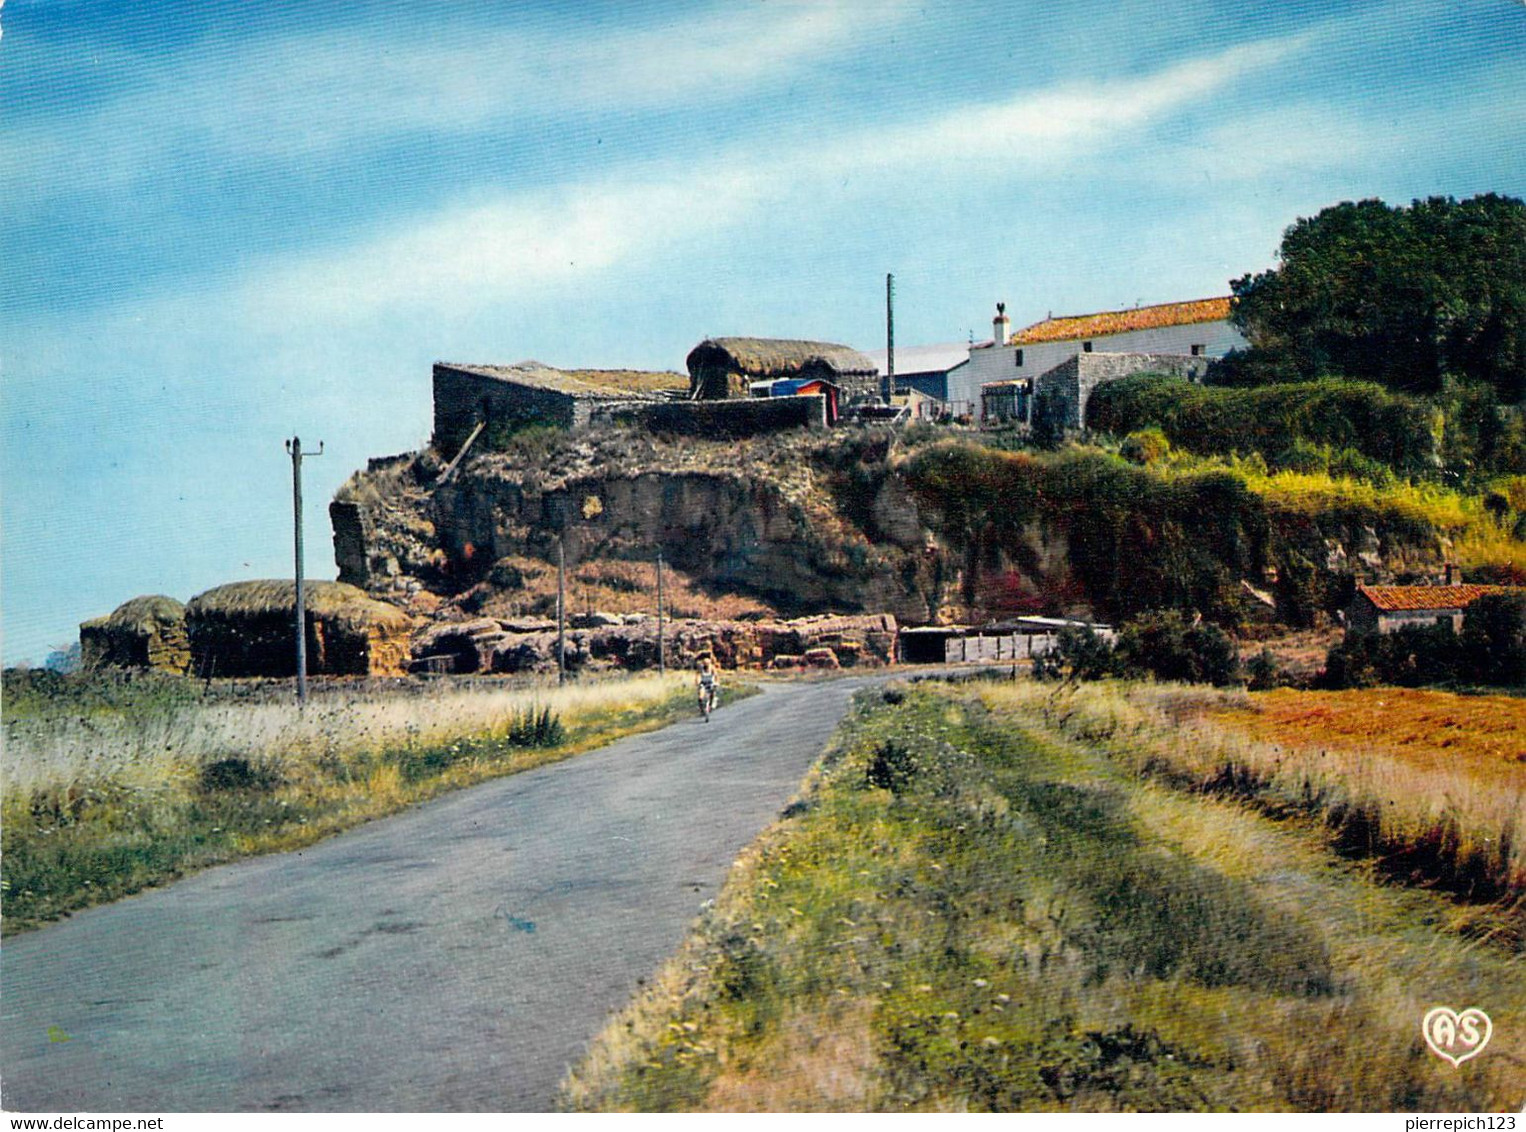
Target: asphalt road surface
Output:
[{"x": 457, "y": 956}]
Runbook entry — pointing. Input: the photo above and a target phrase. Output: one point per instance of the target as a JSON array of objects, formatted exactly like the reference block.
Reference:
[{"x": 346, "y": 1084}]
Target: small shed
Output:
[
  {"x": 1005, "y": 400},
  {"x": 146, "y": 632},
  {"x": 721, "y": 368},
  {"x": 245, "y": 629},
  {"x": 1383, "y": 609},
  {"x": 798, "y": 387}
]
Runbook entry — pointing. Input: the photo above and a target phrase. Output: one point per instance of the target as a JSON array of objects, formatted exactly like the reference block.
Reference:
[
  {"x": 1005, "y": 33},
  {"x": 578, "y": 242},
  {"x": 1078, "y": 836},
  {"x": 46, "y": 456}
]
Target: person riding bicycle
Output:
[{"x": 706, "y": 681}]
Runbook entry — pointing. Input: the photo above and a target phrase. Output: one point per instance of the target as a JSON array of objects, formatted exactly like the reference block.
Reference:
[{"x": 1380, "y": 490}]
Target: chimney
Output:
[
  {"x": 1000, "y": 325},
  {"x": 1453, "y": 574}
]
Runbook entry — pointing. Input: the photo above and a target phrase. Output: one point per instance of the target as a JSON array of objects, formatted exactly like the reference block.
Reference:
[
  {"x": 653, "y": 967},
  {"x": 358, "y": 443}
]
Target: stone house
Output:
[
  {"x": 1383, "y": 609},
  {"x": 531, "y": 393},
  {"x": 1195, "y": 332},
  {"x": 725, "y": 368}
]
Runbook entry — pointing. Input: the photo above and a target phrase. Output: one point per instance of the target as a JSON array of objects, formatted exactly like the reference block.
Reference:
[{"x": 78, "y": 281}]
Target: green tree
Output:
[{"x": 1398, "y": 295}]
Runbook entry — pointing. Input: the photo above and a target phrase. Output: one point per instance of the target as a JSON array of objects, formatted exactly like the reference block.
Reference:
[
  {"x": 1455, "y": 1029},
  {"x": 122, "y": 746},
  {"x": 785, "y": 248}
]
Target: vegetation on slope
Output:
[{"x": 966, "y": 910}]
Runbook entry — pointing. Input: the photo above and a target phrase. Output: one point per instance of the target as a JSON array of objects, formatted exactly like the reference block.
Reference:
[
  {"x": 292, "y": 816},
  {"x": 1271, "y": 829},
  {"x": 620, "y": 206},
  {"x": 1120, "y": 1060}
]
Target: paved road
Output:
[{"x": 458, "y": 956}]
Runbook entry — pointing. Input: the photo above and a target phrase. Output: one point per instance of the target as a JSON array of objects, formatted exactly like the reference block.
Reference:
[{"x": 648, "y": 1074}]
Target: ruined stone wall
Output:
[
  {"x": 731, "y": 419},
  {"x": 461, "y": 399}
]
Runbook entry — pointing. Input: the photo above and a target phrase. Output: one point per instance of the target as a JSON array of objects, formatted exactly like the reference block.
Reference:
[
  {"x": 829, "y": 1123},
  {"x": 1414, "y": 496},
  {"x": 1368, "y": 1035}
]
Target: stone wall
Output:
[
  {"x": 1064, "y": 390},
  {"x": 461, "y": 399}
]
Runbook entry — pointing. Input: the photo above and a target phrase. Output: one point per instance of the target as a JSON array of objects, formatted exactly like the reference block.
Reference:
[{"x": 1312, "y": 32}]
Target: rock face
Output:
[
  {"x": 146, "y": 632},
  {"x": 490, "y": 645},
  {"x": 758, "y": 519}
]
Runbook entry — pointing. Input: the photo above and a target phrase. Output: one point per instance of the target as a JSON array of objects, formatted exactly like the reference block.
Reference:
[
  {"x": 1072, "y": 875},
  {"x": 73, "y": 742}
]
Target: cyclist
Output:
[{"x": 705, "y": 683}]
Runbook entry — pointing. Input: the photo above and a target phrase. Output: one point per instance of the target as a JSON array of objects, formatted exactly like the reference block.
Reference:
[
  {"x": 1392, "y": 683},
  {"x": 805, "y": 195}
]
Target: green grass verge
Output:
[{"x": 964, "y": 912}]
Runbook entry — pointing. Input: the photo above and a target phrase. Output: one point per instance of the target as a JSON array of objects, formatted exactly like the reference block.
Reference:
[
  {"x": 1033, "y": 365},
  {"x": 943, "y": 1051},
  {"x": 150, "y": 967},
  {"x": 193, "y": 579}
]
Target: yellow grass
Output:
[
  {"x": 1391, "y": 771},
  {"x": 46, "y": 753}
]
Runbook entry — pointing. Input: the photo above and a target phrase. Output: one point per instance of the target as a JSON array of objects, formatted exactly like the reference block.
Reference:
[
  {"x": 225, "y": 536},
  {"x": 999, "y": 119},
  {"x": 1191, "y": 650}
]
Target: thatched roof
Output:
[
  {"x": 140, "y": 615},
  {"x": 331, "y": 601},
  {"x": 614, "y": 383},
  {"x": 778, "y": 357}
]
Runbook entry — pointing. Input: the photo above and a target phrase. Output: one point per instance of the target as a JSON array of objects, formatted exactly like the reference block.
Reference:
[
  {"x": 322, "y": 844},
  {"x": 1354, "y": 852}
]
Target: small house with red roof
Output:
[{"x": 1383, "y": 609}]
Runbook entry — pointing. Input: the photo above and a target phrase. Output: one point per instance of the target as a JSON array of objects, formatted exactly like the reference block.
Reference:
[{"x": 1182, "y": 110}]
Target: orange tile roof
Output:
[
  {"x": 1394, "y": 599},
  {"x": 1121, "y": 322}
]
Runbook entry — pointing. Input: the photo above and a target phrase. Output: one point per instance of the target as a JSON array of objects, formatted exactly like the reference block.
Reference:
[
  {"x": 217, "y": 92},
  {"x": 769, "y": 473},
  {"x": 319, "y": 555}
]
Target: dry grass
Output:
[
  {"x": 96, "y": 804},
  {"x": 1398, "y": 785}
]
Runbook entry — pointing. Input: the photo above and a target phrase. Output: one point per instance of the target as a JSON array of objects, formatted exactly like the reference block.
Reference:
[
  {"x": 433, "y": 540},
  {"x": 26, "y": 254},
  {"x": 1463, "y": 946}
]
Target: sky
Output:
[{"x": 226, "y": 224}]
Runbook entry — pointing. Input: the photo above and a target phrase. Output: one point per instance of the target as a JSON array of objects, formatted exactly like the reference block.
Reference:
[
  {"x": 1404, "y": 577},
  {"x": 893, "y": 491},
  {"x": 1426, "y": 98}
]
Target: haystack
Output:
[
  {"x": 146, "y": 632},
  {"x": 245, "y": 629},
  {"x": 725, "y": 367}
]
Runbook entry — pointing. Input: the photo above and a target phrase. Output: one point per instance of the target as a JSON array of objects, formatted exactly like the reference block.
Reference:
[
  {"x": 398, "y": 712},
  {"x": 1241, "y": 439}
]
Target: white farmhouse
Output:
[{"x": 1065, "y": 358}]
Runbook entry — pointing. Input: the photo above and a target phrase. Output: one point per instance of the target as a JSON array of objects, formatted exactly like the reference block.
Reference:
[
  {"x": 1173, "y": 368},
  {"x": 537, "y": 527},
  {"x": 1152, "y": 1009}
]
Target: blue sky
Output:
[{"x": 226, "y": 223}]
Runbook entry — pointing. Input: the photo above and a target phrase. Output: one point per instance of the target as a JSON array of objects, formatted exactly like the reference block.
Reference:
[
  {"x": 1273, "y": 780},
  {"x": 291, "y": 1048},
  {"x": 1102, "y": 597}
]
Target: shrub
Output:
[
  {"x": 530, "y": 728},
  {"x": 1168, "y": 647},
  {"x": 1145, "y": 446},
  {"x": 1494, "y": 640},
  {"x": 1078, "y": 654}
]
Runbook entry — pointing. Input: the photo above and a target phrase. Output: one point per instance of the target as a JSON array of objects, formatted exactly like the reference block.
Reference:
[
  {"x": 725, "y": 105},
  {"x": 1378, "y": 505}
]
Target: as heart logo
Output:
[{"x": 1456, "y": 1037}]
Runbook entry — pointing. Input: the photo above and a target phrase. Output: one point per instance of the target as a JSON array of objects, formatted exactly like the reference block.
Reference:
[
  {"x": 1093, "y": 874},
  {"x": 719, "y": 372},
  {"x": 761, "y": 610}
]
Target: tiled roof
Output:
[
  {"x": 1080, "y": 326},
  {"x": 1396, "y": 599}
]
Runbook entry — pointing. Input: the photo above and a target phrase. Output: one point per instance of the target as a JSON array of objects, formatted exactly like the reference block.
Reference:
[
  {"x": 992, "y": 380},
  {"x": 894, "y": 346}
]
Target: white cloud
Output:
[
  {"x": 482, "y": 253},
  {"x": 296, "y": 96}
]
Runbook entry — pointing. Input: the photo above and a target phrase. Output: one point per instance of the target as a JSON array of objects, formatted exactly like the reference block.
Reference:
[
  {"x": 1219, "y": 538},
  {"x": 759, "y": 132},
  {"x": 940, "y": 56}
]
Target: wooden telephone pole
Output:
[
  {"x": 662, "y": 660},
  {"x": 294, "y": 450},
  {"x": 561, "y": 612}
]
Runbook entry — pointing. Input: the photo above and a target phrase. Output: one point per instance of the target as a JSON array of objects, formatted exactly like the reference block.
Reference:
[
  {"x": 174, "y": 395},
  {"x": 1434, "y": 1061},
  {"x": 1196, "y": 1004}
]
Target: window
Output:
[
  {"x": 1086, "y": 347},
  {"x": 1197, "y": 349},
  {"x": 1017, "y": 357}
]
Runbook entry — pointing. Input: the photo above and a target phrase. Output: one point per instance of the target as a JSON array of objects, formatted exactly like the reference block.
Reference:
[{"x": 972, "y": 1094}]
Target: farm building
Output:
[
  {"x": 1383, "y": 609},
  {"x": 1179, "y": 338},
  {"x": 530, "y": 392},
  {"x": 722, "y": 368},
  {"x": 1018, "y": 639},
  {"x": 1002, "y": 401},
  {"x": 146, "y": 632},
  {"x": 928, "y": 370},
  {"x": 802, "y": 387},
  {"x": 245, "y": 629}
]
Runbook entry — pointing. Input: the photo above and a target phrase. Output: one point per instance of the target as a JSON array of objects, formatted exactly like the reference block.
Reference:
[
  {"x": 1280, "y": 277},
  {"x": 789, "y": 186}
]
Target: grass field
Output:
[
  {"x": 973, "y": 905},
  {"x": 1427, "y": 785},
  {"x": 108, "y": 788}
]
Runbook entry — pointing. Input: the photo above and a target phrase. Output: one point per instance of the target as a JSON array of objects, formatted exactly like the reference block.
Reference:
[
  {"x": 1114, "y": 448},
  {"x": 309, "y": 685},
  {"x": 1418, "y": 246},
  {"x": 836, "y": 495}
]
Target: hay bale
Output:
[
  {"x": 146, "y": 632},
  {"x": 245, "y": 629}
]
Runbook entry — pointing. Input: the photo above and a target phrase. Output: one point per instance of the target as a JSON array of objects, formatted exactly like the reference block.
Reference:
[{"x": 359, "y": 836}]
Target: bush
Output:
[
  {"x": 1163, "y": 645},
  {"x": 530, "y": 728},
  {"x": 1078, "y": 654},
  {"x": 1168, "y": 647},
  {"x": 1494, "y": 640},
  {"x": 1145, "y": 446}
]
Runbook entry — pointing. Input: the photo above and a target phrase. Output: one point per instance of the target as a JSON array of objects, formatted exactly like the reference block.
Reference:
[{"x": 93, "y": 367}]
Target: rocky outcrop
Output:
[{"x": 631, "y": 643}]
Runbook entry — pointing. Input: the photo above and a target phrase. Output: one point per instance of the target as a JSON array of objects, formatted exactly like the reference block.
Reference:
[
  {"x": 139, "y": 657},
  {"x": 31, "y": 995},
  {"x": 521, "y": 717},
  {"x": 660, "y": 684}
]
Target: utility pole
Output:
[
  {"x": 561, "y": 612},
  {"x": 294, "y": 450},
  {"x": 662, "y": 660},
  {"x": 889, "y": 337}
]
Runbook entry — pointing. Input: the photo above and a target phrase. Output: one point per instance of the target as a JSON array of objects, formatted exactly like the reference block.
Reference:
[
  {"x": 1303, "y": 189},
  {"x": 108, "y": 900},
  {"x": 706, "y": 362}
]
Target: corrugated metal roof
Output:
[
  {"x": 1398, "y": 599},
  {"x": 938, "y": 358},
  {"x": 1104, "y": 323}
]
